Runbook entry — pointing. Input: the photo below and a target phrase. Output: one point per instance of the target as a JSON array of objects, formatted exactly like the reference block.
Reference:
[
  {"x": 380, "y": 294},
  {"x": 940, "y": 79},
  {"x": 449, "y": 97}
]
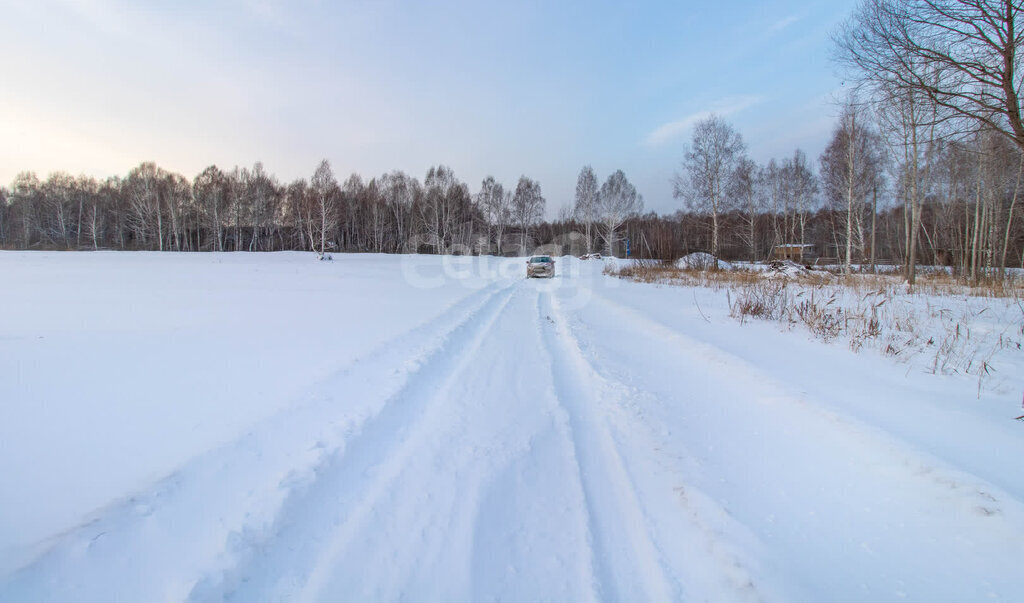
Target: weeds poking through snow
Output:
[{"x": 939, "y": 319}]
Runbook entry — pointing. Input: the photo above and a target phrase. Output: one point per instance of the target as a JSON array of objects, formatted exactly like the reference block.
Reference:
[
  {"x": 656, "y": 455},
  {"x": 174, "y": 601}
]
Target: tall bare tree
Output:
[
  {"x": 59, "y": 205},
  {"x": 210, "y": 192},
  {"x": 851, "y": 167},
  {"x": 443, "y": 207},
  {"x": 296, "y": 207},
  {"x": 963, "y": 56},
  {"x": 714, "y": 151},
  {"x": 770, "y": 181},
  {"x": 527, "y": 208},
  {"x": 586, "y": 199},
  {"x": 238, "y": 201},
  {"x": 262, "y": 192},
  {"x": 176, "y": 192},
  {"x": 495, "y": 204},
  {"x": 25, "y": 199},
  {"x": 744, "y": 189},
  {"x": 323, "y": 215},
  {"x": 616, "y": 202},
  {"x": 145, "y": 217},
  {"x": 801, "y": 187},
  {"x": 399, "y": 192},
  {"x": 908, "y": 120}
]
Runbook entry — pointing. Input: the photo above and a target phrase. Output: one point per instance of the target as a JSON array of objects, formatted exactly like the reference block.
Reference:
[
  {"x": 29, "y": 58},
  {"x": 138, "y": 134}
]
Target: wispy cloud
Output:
[
  {"x": 104, "y": 15},
  {"x": 722, "y": 107},
  {"x": 268, "y": 10},
  {"x": 784, "y": 22}
]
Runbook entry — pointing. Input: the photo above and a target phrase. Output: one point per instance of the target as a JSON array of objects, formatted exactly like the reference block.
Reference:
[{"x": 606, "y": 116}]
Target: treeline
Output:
[
  {"x": 250, "y": 210},
  {"x": 967, "y": 211},
  {"x": 857, "y": 208},
  {"x": 925, "y": 164}
]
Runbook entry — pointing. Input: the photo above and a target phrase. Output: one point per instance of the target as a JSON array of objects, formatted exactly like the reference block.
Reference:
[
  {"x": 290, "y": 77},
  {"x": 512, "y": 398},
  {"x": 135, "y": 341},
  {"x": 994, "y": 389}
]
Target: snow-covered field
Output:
[{"x": 268, "y": 427}]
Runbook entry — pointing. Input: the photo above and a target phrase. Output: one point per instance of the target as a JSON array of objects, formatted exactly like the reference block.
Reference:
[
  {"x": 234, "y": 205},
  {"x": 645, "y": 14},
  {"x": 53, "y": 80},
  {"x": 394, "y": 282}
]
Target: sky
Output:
[{"x": 539, "y": 88}]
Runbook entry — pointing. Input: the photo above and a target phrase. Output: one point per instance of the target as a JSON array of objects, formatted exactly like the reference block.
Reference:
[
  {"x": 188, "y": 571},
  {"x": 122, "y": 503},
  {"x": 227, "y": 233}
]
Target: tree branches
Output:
[{"x": 961, "y": 55}]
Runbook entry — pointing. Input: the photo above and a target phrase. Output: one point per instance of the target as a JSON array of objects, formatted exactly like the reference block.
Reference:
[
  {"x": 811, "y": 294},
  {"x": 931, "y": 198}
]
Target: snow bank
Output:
[
  {"x": 701, "y": 261},
  {"x": 790, "y": 269}
]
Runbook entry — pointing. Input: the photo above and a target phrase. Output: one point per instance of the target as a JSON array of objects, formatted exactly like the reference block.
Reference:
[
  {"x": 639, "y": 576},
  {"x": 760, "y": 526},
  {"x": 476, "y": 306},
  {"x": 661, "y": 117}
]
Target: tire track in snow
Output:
[
  {"x": 708, "y": 564},
  {"x": 867, "y": 467},
  {"x": 532, "y": 539},
  {"x": 254, "y": 475},
  {"x": 725, "y": 361},
  {"x": 627, "y": 562},
  {"x": 728, "y": 366},
  {"x": 702, "y": 560},
  {"x": 293, "y": 558},
  {"x": 422, "y": 534}
]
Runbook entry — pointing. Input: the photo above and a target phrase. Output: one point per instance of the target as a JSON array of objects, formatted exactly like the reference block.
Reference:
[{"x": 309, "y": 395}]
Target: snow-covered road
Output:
[{"x": 582, "y": 438}]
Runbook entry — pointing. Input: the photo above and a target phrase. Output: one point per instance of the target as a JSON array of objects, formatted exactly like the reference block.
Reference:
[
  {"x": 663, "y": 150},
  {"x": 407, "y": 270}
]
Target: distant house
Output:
[{"x": 795, "y": 252}]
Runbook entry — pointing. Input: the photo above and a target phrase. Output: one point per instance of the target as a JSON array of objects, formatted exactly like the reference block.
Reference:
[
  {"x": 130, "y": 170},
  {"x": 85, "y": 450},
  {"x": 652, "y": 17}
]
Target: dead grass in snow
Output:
[{"x": 939, "y": 320}]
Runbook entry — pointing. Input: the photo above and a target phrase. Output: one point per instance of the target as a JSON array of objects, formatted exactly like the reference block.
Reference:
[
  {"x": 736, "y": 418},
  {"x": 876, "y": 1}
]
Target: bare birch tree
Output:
[
  {"x": 586, "y": 199},
  {"x": 850, "y": 169},
  {"x": 527, "y": 208},
  {"x": 145, "y": 218},
  {"x": 495, "y": 204},
  {"x": 616, "y": 201},
  {"x": 324, "y": 215},
  {"x": 743, "y": 188},
  {"x": 399, "y": 192},
  {"x": 713, "y": 153},
  {"x": 801, "y": 187},
  {"x": 442, "y": 209},
  {"x": 210, "y": 191}
]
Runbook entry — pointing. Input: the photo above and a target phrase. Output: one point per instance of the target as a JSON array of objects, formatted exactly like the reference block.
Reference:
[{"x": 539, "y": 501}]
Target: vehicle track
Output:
[
  {"x": 488, "y": 450},
  {"x": 628, "y": 562},
  {"x": 711, "y": 391},
  {"x": 303, "y": 439},
  {"x": 295, "y": 553},
  {"x": 703, "y": 563},
  {"x": 713, "y": 360},
  {"x": 927, "y": 442}
]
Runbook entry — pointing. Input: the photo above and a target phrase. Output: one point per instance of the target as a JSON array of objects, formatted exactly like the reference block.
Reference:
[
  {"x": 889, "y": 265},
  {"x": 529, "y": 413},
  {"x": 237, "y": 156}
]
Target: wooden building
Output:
[{"x": 795, "y": 252}]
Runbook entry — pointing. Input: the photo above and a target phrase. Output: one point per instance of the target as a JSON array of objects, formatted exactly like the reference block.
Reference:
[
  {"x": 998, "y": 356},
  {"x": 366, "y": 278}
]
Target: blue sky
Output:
[{"x": 504, "y": 88}]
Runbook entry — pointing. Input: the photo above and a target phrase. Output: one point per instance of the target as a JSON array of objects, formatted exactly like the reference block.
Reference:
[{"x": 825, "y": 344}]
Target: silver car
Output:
[{"x": 540, "y": 265}]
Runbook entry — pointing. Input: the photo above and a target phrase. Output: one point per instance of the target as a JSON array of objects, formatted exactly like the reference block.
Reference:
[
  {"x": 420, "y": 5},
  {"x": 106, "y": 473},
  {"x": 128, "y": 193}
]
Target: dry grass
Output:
[
  {"x": 656, "y": 271},
  {"x": 869, "y": 310},
  {"x": 929, "y": 281}
]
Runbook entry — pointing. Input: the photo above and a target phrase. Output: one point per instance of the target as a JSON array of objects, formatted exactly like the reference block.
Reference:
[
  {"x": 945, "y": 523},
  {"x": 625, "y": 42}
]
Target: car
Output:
[{"x": 540, "y": 265}]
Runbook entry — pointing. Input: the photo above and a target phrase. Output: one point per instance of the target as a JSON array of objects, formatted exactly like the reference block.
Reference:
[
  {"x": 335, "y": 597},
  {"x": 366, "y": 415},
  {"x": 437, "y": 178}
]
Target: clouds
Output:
[
  {"x": 723, "y": 108},
  {"x": 375, "y": 85},
  {"x": 784, "y": 22}
]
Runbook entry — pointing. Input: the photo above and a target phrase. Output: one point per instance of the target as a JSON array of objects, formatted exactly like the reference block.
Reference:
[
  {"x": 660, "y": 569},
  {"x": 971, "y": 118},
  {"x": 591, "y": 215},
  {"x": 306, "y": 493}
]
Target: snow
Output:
[
  {"x": 265, "y": 427},
  {"x": 787, "y": 268},
  {"x": 701, "y": 260}
]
